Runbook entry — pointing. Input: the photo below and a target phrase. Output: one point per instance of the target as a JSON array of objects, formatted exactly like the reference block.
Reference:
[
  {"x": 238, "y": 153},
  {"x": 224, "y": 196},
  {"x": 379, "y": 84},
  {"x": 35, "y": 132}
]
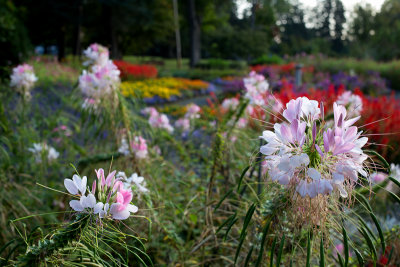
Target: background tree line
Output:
[{"x": 208, "y": 28}]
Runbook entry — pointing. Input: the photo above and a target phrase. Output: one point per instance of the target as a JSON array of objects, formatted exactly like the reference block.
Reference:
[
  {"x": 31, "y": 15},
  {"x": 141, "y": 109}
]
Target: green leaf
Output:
[
  {"x": 394, "y": 181},
  {"x": 230, "y": 218},
  {"x": 228, "y": 229},
  {"x": 346, "y": 247},
  {"x": 248, "y": 257},
  {"x": 366, "y": 202},
  {"x": 222, "y": 199},
  {"x": 241, "y": 176},
  {"x": 340, "y": 260},
  {"x": 278, "y": 260},
  {"x": 385, "y": 163},
  {"x": 369, "y": 242},
  {"x": 390, "y": 255},
  {"x": 263, "y": 238},
  {"x": 322, "y": 253},
  {"x": 394, "y": 196},
  {"x": 240, "y": 246},
  {"x": 247, "y": 219},
  {"x": 380, "y": 232},
  {"x": 308, "y": 250},
  {"x": 359, "y": 257},
  {"x": 271, "y": 258}
]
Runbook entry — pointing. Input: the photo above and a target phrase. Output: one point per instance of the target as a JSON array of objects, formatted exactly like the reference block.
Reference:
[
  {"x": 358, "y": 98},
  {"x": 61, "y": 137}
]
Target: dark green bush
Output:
[{"x": 267, "y": 59}]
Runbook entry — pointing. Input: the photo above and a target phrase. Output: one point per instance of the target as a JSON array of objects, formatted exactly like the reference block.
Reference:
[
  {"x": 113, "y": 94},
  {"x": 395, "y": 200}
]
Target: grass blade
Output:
[
  {"x": 359, "y": 257},
  {"x": 394, "y": 181},
  {"x": 271, "y": 263},
  {"x": 241, "y": 176},
  {"x": 222, "y": 199},
  {"x": 278, "y": 260},
  {"x": 369, "y": 242},
  {"x": 394, "y": 196},
  {"x": 247, "y": 219},
  {"x": 380, "y": 232},
  {"x": 264, "y": 236},
  {"x": 248, "y": 257},
  {"x": 322, "y": 253},
  {"x": 308, "y": 250},
  {"x": 346, "y": 247}
]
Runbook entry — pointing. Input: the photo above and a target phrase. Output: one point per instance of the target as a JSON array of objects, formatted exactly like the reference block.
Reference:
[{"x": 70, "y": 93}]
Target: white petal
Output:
[
  {"x": 343, "y": 192},
  {"x": 337, "y": 178},
  {"x": 132, "y": 208},
  {"x": 77, "y": 180},
  {"x": 76, "y": 205},
  {"x": 98, "y": 207},
  {"x": 314, "y": 174},
  {"x": 71, "y": 187},
  {"x": 268, "y": 150},
  {"x": 83, "y": 185},
  {"x": 102, "y": 214},
  {"x": 312, "y": 189},
  {"x": 268, "y": 136},
  {"x": 106, "y": 207},
  {"x": 302, "y": 188},
  {"x": 119, "y": 215},
  {"x": 90, "y": 201}
]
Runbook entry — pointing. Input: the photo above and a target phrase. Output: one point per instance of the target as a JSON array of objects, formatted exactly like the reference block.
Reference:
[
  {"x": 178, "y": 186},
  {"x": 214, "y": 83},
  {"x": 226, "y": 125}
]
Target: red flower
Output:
[{"x": 133, "y": 71}]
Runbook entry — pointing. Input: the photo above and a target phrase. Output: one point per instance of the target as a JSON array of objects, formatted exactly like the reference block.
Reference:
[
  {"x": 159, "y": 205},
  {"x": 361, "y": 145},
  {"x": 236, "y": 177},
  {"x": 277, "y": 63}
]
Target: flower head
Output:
[
  {"x": 109, "y": 200},
  {"x": 159, "y": 120},
  {"x": 40, "y": 149},
  {"x": 314, "y": 160},
  {"x": 23, "y": 78},
  {"x": 96, "y": 55},
  {"x": 256, "y": 88}
]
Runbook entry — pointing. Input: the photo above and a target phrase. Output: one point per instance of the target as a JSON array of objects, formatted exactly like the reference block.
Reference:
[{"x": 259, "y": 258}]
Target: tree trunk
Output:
[
  {"x": 111, "y": 34},
  {"x": 195, "y": 34},
  {"x": 177, "y": 35},
  {"x": 61, "y": 44},
  {"x": 77, "y": 46}
]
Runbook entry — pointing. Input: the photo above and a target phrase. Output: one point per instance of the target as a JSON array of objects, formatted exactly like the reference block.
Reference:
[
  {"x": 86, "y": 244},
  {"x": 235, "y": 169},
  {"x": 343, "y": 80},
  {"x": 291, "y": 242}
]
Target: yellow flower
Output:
[{"x": 162, "y": 87}]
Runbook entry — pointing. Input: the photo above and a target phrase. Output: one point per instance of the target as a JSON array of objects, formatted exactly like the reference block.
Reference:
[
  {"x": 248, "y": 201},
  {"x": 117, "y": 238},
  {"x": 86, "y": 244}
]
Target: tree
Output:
[{"x": 195, "y": 34}]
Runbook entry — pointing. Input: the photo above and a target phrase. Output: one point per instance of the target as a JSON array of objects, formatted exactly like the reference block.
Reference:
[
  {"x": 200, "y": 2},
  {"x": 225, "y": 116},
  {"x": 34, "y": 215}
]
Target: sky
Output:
[{"x": 348, "y": 4}]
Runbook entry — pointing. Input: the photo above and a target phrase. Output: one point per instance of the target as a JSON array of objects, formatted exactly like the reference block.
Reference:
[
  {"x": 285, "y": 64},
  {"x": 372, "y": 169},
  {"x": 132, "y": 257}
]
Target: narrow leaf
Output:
[
  {"x": 271, "y": 263},
  {"x": 264, "y": 236},
  {"x": 308, "y": 250},
  {"x": 359, "y": 257},
  {"x": 248, "y": 257},
  {"x": 278, "y": 260},
  {"x": 380, "y": 232},
  {"x": 394, "y": 181},
  {"x": 346, "y": 247},
  {"x": 322, "y": 253},
  {"x": 222, "y": 199},
  {"x": 241, "y": 176}
]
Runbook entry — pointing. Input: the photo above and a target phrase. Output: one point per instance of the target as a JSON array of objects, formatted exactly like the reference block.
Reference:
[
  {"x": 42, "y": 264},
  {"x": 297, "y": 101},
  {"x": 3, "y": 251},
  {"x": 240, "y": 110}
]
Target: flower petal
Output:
[
  {"x": 98, "y": 207},
  {"x": 76, "y": 205},
  {"x": 71, "y": 187}
]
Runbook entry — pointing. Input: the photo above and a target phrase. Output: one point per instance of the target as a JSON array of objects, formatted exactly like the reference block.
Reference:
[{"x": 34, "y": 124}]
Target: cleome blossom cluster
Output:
[
  {"x": 137, "y": 145},
  {"x": 42, "y": 149},
  {"x": 23, "y": 78},
  {"x": 101, "y": 80},
  {"x": 192, "y": 112},
  {"x": 256, "y": 87},
  {"x": 307, "y": 155},
  {"x": 109, "y": 197},
  {"x": 158, "y": 120}
]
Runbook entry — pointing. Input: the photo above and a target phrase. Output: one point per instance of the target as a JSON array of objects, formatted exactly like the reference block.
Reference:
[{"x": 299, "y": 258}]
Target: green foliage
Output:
[
  {"x": 267, "y": 59},
  {"x": 14, "y": 41}
]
